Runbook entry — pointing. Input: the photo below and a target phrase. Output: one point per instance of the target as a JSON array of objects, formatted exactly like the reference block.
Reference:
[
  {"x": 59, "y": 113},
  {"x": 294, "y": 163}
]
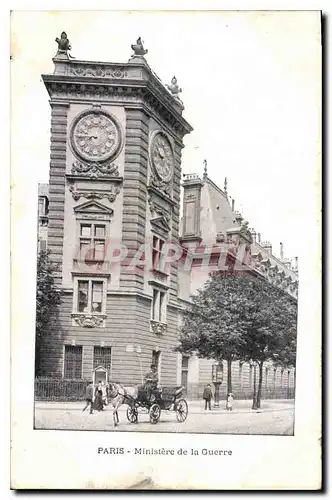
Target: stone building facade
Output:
[
  {"x": 112, "y": 202},
  {"x": 115, "y": 170},
  {"x": 210, "y": 223}
]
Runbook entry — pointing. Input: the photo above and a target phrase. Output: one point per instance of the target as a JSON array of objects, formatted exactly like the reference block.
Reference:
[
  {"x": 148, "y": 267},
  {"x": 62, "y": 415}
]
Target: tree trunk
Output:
[
  {"x": 37, "y": 359},
  {"x": 254, "y": 396},
  {"x": 229, "y": 376},
  {"x": 260, "y": 383}
]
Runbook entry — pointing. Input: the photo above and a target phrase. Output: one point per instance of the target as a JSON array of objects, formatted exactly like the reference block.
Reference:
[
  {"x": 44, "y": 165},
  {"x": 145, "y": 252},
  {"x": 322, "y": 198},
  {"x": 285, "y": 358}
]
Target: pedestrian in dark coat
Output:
[
  {"x": 207, "y": 395},
  {"x": 89, "y": 397},
  {"x": 99, "y": 403}
]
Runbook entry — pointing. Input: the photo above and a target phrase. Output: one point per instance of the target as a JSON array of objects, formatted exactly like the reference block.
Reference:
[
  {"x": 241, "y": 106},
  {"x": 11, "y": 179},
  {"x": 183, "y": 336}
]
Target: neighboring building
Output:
[
  {"x": 115, "y": 172},
  {"x": 42, "y": 216},
  {"x": 209, "y": 222}
]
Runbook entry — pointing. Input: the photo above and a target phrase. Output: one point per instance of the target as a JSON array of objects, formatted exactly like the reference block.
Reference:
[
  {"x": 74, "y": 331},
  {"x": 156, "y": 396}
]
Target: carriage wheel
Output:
[
  {"x": 154, "y": 413},
  {"x": 132, "y": 414},
  {"x": 181, "y": 410}
]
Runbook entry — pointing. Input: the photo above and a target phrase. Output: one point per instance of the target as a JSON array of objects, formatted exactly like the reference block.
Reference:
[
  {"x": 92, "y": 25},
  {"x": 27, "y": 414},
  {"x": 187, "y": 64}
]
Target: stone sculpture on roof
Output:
[
  {"x": 139, "y": 49},
  {"x": 174, "y": 88},
  {"x": 63, "y": 44}
]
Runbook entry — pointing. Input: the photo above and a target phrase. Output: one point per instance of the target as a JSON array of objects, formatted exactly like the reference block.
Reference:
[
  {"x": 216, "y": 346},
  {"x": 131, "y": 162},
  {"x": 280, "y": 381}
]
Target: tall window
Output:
[
  {"x": 92, "y": 242},
  {"x": 250, "y": 375},
  {"x": 102, "y": 357},
  {"x": 274, "y": 377},
  {"x": 73, "y": 362},
  {"x": 266, "y": 377},
  {"x": 241, "y": 374},
  {"x": 41, "y": 205},
  {"x": 158, "y": 306},
  {"x": 184, "y": 371},
  {"x": 157, "y": 254},
  {"x": 282, "y": 377},
  {"x": 90, "y": 296}
]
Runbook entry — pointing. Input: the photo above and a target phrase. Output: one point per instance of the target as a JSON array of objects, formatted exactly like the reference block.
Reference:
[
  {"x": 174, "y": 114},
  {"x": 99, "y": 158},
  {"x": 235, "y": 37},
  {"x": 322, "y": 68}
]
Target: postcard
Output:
[{"x": 166, "y": 259}]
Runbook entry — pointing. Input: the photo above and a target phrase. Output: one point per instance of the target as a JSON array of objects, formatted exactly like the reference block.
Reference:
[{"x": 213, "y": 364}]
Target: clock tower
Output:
[{"x": 114, "y": 197}]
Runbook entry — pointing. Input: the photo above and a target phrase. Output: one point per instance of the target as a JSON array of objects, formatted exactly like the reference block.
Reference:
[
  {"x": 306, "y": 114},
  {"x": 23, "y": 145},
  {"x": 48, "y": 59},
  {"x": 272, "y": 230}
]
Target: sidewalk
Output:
[{"x": 194, "y": 407}]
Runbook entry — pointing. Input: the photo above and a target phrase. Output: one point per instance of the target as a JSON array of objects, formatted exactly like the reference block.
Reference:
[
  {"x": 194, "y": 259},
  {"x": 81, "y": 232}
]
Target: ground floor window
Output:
[
  {"x": 102, "y": 356},
  {"x": 282, "y": 378},
  {"x": 73, "y": 362},
  {"x": 184, "y": 371},
  {"x": 241, "y": 375},
  {"x": 250, "y": 375}
]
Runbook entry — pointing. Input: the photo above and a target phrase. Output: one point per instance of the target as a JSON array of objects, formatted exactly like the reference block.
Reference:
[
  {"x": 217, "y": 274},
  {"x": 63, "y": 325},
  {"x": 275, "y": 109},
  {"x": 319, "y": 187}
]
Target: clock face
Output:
[
  {"x": 96, "y": 136},
  {"x": 162, "y": 156}
]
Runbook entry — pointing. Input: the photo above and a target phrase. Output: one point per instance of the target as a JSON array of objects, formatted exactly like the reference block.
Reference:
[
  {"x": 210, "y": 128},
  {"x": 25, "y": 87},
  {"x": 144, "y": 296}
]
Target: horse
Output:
[{"x": 118, "y": 395}]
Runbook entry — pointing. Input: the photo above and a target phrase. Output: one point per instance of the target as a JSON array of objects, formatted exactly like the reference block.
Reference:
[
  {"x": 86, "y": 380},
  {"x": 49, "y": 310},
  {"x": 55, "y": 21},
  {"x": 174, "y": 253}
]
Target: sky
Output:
[{"x": 251, "y": 90}]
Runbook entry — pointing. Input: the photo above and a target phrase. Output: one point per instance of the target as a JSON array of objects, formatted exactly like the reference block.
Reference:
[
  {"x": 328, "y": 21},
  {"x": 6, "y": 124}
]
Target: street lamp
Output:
[{"x": 217, "y": 378}]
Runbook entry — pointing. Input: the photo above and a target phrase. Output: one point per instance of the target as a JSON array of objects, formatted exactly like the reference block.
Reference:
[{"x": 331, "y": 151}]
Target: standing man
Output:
[
  {"x": 89, "y": 397},
  {"x": 207, "y": 396},
  {"x": 151, "y": 381}
]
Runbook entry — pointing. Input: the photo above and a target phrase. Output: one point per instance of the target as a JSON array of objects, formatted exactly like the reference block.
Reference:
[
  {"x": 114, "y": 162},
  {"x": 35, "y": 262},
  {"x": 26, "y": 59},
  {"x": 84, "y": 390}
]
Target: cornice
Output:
[{"x": 122, "y": 83}]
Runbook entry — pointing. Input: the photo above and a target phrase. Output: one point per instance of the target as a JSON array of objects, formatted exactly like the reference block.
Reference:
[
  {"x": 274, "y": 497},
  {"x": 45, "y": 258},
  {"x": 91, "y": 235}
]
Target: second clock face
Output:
[
  {"x": 96, "y": 137},
  {"x": 162, "y": 156}
]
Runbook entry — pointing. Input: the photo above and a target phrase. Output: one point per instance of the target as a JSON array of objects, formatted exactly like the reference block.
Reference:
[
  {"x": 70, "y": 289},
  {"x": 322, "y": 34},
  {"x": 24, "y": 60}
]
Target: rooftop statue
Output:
[
  {"x": 138, "y": 48},
  {"x": 174, "y": 88},
  {"x": 63, "y": 44}
]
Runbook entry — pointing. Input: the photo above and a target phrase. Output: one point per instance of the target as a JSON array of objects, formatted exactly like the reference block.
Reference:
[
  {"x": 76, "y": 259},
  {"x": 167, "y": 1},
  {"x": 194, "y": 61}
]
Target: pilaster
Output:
[{"x": 57, "y": 181}]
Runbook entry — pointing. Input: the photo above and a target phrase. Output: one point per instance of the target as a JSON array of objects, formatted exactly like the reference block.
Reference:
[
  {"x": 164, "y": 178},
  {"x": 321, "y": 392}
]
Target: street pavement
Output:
[{"x": 276, "y": 417}]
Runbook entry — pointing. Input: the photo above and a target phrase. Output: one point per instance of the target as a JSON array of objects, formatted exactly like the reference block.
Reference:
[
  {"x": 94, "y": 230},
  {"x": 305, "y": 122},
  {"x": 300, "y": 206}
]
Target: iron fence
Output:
[
  {"x": 59, "y": 389},
  {"x": 52, "y": 389}
]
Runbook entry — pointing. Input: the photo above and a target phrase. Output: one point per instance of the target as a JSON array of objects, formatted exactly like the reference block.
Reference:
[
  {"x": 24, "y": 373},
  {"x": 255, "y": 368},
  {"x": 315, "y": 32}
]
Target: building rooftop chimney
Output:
[{"x": 281, "y": 250}]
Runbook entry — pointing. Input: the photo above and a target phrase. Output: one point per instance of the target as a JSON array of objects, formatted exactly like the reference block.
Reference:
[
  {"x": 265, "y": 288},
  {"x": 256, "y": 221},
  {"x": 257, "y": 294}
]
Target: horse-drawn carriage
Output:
[
  {"x": 165, "y": 398},
  {"x": 151, "y": 400}
]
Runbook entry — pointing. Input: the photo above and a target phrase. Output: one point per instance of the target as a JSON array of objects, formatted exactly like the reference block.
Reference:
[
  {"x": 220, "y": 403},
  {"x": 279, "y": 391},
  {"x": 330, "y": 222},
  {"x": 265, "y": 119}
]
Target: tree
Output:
[
  {"x": 213, "y": 325},
  {"x": 271, "y": 327},
  {"x": 48, "y": 299},
  {"x": 238, "y": 316}
]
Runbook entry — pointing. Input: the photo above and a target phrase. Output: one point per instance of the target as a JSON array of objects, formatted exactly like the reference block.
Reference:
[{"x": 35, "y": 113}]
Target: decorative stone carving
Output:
[
  {"x": 157, "y": 210},
  {"x": 138, "y": 48},
  {"x": 95, "y": 217},
  {"x": 118, "y": 93},
  {"x": 221, "y": 237},
  {"x": 97, "y": 71},
  {"x": 63, "y": 44},
  {"x": 191, "y": 196},
  {"x": 96, "y": 135},
  {"x": 162, "y": 186},
  {"x": 157, "y": 327},
  {"x": 93, "y": 209},
  {"x": 95, "y": 169},
  {"x": 89, "y": 320},
  {"x": 159, "y": 276},
  {"x": 110, "y": 194}
]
